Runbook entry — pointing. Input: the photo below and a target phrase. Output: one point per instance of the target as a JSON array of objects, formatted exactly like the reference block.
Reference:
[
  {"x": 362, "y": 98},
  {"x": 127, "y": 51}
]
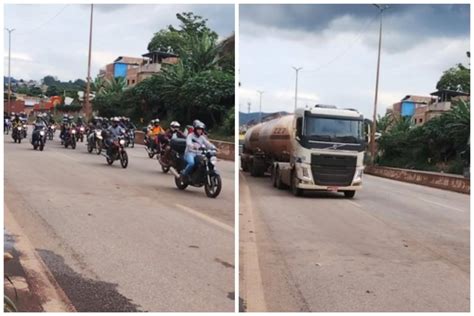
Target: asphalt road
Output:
[
  {"x": 123, "y": 239},
  {"x": 394, "y": 247}
]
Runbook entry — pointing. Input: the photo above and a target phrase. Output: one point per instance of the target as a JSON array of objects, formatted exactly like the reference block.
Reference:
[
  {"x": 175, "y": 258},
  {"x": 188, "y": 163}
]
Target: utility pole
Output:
[
  {"x": 87, "y": 105},
  {"x": 374, "y": 122},
  {"x": 9, "y": 64},
  {"x": 296, "y": 85},
  {"x": 260, "y": 107},
  {"x": 248, "y": 106}
]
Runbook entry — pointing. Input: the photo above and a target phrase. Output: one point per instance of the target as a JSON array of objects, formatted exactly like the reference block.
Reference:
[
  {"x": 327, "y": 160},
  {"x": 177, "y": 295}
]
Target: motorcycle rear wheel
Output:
[{"x": 213, "y": 189}]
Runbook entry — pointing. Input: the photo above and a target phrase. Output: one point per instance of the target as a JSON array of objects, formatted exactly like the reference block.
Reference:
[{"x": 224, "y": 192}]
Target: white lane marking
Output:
[
  {"x": 206, "y": 218},
  {"x": 442, "y": 205},
  {"x": 252, "y": 285},
  {"x": 354, "y": 203}
]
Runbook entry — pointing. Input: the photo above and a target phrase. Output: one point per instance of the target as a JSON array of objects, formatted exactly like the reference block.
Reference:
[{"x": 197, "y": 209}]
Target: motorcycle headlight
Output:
[
  {"x": 82, "y": 129},
  {"x": 213, "y": 160},
  {"x": 19, "y": 128},
  {"x": 97, "y": 134},
  {"x": 122, "y": 142},
  {"x": 73, "y": 131},
  {"x": 42, "y": 133}
]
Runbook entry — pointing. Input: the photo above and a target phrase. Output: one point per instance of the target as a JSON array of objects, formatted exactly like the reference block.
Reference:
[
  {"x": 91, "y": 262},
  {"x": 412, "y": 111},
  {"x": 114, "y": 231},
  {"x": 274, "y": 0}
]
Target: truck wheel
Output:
[
  {"x": 349, "y": 194},
  {"x": 273, "y": 177},
  {"x": 244, "y": 165},
  {"x": 257, "y": 169},
  {"x": 294, "y": 189},
  {"x": 278, "y": 183}
]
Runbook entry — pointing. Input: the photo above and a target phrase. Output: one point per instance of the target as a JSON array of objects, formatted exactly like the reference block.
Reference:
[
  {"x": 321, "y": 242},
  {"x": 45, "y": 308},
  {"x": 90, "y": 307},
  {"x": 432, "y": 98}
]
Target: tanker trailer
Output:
[{"x": 318, "y": 149}]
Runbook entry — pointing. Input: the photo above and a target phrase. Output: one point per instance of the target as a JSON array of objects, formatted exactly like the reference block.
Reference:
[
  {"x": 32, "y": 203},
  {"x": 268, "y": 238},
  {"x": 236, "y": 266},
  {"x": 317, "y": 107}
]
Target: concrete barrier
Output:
[
  {"x": 226, "y": 150},
  {"x": 438, "y": 180}
]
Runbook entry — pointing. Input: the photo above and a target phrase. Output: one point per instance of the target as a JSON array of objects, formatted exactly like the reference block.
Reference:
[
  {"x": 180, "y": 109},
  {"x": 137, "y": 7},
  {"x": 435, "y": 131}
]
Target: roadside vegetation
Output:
[
  {"x": 200, "y": 86},
  {"x": 441, "y": 144}
]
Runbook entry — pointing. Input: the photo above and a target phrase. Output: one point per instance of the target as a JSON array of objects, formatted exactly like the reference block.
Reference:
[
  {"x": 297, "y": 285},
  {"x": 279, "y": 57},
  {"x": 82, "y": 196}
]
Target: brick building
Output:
[{"x": 137, "y": 69}]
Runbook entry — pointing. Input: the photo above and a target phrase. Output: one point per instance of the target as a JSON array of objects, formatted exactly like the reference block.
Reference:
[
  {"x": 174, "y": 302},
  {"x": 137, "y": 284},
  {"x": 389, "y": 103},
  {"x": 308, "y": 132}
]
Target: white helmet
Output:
[{"x": 175, "y": 124}]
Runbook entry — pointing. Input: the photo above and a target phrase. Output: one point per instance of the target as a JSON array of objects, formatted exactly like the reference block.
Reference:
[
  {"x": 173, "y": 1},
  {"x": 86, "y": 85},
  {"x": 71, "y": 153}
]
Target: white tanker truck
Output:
[{"x": 319, "y": 149}]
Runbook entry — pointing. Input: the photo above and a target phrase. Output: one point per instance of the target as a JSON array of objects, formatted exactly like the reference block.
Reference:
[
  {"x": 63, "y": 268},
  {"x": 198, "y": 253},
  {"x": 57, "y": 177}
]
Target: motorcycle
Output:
[
  {"x": 152, "y": 146},
  {"x": 204, "y": 172},
  {"x": 50, "y": 132},
  {"x": 80, "y": 133},
  {"x": 130, "y": 138},
  {"x": 70, "y": 138},
  {"x": 17, "y": 134},
  {"x": 117, "y": 152},
  {"x": 6, "y": 126},
  {"x": 94, "y": 141},
  {"x": 38, "y": 139}
]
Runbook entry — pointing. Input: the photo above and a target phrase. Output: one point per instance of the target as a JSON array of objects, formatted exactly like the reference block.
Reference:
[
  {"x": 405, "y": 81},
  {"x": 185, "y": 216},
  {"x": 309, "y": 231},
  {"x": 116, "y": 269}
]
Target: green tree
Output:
[
  {"x": 52, "y": 91},
  {"x": 178, "y": 38},
  {"x": 454, "y": 78}
]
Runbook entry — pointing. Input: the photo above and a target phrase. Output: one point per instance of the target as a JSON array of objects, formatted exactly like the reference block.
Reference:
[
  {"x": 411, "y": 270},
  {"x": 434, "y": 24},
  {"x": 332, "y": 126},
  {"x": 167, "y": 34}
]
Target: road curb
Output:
[{"x": 40, "y": 280}]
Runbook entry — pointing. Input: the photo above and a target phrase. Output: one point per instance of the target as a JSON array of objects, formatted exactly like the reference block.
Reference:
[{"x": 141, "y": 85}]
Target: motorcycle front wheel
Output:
[
  {"x": 73, "y": 144},
  {"x": 99, "y": 147},
  {"x": 89, "y": 147},
  {"x": 41, "y": 146},
  {"x": 124, "y": 159},
  {"x": 213, "y": 186},
  {"x": 180, "y": 184}
]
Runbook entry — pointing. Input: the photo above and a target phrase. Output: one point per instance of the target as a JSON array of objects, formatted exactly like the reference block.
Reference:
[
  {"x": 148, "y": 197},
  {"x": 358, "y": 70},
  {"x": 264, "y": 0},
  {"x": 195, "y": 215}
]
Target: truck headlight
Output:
[
  {"x": 358, "y": 175},
  {"x": 305, "y": 172}
]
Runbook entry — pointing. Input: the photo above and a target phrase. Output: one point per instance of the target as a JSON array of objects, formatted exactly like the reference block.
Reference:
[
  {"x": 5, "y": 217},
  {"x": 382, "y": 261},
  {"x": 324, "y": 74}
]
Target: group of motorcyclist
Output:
[{"x": 114, "y": 128}]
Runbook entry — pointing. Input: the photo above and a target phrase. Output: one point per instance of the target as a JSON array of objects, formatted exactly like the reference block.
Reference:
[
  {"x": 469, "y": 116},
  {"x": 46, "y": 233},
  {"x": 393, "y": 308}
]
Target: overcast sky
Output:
[
  {"x": 54, "y": 39},
  {"x": 337, "y": 47}
]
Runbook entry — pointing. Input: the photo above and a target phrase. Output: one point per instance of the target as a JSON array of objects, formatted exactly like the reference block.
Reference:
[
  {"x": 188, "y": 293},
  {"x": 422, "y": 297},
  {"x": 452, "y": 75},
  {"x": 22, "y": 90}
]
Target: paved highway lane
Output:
[
  {"x": 123, "y": 239},
  {"x": 394, "y": 247}
]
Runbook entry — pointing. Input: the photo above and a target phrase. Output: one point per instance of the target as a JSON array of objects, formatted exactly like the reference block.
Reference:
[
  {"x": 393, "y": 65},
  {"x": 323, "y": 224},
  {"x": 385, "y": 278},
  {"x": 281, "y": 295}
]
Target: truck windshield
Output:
[{"x": 334, "y": 129}]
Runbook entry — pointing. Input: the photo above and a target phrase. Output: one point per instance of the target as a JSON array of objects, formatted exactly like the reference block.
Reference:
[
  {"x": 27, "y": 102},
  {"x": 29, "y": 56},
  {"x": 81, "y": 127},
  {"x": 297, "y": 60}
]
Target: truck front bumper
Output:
[{"x": 306, "y": 181}]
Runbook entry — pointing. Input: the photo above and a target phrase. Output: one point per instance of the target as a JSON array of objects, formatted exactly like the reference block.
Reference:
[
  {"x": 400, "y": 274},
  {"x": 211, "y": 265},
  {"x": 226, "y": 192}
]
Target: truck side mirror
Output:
[{"x": 299, "y": 125}]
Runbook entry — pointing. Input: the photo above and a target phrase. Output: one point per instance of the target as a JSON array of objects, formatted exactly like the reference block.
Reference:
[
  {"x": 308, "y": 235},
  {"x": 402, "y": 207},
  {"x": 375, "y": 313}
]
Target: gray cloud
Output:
[{"x": 405, "y": 25}]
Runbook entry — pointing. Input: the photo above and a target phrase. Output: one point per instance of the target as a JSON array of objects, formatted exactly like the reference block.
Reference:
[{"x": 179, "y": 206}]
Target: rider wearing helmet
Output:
[
  {"x": 113, "y": 132},
  {"x": 174, "y": 131},
  {"x": 194, "y": 141}
]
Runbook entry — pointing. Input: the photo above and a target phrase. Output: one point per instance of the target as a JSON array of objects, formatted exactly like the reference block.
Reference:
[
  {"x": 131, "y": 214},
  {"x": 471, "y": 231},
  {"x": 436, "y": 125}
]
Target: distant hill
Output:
[{"x": 253, "y": 117}]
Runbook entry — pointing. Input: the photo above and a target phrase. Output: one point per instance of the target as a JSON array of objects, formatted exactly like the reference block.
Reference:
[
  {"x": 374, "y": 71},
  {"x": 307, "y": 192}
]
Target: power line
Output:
[
  {"x": 44, "y": 23},
  {"x": 344, "y": 52}
]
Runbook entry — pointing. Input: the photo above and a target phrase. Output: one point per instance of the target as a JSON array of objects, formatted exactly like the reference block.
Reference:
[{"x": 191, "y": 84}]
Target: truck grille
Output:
[{"x": 332, "y": 170}]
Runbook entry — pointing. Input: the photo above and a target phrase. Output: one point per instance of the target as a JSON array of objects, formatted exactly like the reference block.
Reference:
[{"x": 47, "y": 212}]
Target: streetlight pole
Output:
[
  {"x": 296, "y": 85},
  {"x": 9, "y": 64},
  {"x": 87, "y": 105},
  {"x": 374, "y": 121},
  {"x": 260, "y": 107}
]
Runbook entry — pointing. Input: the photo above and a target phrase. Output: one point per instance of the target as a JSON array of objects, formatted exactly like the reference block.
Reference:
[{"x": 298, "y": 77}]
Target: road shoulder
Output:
[{"x": 41, "y": 282}]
